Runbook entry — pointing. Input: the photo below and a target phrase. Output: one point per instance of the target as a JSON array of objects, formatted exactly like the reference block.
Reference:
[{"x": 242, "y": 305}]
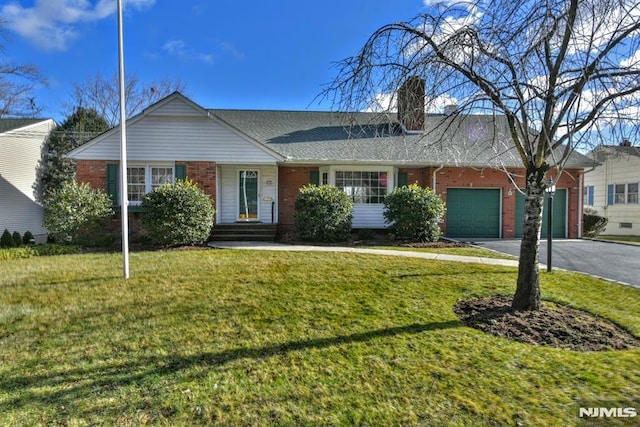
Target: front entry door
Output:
[{"x": 248, "y": 186}]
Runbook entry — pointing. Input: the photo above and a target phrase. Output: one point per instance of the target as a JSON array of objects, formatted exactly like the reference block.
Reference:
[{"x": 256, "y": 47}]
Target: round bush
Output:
[
  {"x": 71, "y": 211},
  {"x": 593, "y": 224},
  {"x": 323, "y": 214},
  {"x": 414, "y": 213},
  {"x": 178, "y": 214}
]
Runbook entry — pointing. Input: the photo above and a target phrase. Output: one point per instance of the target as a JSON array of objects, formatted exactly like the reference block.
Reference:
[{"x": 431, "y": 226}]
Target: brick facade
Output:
[
  {"x": 203, "y": 173},
  {"x": 290, "y": 180},
  {"x": 93, "y": 172},
  {"x": 491, "y": 178}
]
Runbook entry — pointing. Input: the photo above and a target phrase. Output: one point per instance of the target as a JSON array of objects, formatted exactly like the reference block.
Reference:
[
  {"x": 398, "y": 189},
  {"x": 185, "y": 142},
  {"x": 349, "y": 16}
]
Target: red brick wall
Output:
[
  {"x": 94, "y": 173},
  {"x": 290, "y": 180},
  {"x": 421, "y": 176},
  {"x": 204, "y": 173}
]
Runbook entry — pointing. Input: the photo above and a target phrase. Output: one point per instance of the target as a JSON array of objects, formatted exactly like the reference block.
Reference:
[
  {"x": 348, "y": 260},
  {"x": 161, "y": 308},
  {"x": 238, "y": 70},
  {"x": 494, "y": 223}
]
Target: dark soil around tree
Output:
[{"x": 553, "y": 325}]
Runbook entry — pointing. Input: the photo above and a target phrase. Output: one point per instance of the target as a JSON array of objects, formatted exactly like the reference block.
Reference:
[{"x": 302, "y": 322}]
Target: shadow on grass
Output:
[{"x": 65, "y": 388}]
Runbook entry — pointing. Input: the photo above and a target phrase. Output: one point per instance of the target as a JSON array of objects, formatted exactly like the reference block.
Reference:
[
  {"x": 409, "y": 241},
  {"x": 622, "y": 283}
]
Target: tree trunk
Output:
[{"x": 527, "y": 295}]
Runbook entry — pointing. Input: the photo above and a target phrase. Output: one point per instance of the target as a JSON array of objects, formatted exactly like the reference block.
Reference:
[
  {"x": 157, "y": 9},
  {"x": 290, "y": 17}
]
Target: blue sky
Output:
[{"x": 230, "y": 53}]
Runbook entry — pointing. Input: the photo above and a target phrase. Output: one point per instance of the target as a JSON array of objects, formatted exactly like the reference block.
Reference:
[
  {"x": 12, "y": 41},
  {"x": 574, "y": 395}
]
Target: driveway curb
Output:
[{"x": 272, "y": 246}]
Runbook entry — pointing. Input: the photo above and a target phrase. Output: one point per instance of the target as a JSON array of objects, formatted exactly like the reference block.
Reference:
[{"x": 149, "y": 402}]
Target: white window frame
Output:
[
  {"x": 618, "y": 197},
  {"x": 148, "y": 184},
  {"x": 389, "y": 170},
  {"x": 630, "y": 194}
]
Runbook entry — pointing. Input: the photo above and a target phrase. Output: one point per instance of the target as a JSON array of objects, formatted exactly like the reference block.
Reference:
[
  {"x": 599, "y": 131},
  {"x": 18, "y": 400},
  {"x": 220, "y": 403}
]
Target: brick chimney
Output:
[{"x": 411, "y": 104}]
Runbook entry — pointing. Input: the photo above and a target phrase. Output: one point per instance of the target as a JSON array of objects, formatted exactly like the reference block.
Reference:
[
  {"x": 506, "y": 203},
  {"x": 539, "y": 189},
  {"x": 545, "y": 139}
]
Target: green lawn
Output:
[
  {"x": 277, "y": 338},
  {"x": 471, "y": 251},
  {"x": 635, "y": 240}
]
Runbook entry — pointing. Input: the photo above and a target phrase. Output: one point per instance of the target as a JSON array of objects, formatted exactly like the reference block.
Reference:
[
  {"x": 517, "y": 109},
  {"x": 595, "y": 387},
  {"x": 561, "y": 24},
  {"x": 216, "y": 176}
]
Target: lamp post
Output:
[{"x": 550, "y": 190}]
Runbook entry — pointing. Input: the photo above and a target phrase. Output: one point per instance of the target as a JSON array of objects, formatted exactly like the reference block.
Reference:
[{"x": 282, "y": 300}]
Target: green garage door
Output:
[
  {"x": 559, "y": 214},
  {"x": 473, "y": 212}
]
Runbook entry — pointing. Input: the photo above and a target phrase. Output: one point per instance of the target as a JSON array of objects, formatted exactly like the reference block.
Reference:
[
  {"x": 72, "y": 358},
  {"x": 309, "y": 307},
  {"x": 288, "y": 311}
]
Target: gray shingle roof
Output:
[
  {"x": 600, "y": 154},
  {"x": 301, "y": 136},
  {"x": 7, "y": 125}
]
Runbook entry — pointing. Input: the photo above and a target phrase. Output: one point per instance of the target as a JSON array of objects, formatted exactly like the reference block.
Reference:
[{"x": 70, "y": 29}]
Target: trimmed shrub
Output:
[
  {"x": 323, "y": 214},
  {"x": 28, "y": 238},
  {"x": 178, "y": 214},
  {"x": 17, "y": 239},
  {"x": 593, "y": 224},
  {"x": 73, "y": 213},
  {"x": 414, "y": 213},
  {"x": 37, "y": 250},
  {"x": 6, "y": 241}
]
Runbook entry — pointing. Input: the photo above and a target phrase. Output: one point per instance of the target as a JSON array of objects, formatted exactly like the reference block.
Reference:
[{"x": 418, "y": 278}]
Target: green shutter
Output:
[
  {"x": 112, "y": 182},
  {"x": 403, "y": 179},
  {"x": 180, "y": 172},
  {"x": 314, "y": 177},
  {"x": 610, "y": 197}
]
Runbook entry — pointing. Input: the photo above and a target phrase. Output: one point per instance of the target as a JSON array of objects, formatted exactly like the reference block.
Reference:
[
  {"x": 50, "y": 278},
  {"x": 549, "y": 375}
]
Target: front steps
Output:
[{"x": 244, "y": 232}]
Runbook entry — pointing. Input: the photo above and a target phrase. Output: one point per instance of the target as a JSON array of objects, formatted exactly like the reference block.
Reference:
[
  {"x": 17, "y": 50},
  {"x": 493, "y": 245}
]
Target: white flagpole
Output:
[{"x": 124, "y": 199}]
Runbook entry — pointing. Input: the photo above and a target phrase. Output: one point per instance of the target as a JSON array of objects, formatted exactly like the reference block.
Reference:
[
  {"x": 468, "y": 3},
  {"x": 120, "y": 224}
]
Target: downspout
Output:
[
  {"x": 580, "y": 204},
  {"x": 434, "y": 178}
]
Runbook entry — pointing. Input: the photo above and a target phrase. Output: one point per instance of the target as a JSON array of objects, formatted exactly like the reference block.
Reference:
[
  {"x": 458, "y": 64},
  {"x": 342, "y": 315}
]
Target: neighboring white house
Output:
[
  {"x": 612, "y": 188},
  {"x": 22, "y": 142}
]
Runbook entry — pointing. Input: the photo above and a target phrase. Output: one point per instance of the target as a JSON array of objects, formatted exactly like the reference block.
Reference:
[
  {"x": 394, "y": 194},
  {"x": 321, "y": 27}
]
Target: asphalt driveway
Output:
[{"x": 612, "y": 261}]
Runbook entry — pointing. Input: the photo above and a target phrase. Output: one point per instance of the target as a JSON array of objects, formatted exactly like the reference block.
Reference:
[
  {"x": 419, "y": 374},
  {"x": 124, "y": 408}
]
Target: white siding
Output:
[
  {"x": 228, "y": 199},
  {"x": 620, "y": 169},
  {"x": 368, "y": 216},
  {"x": 178, "y": 131},
  {"x": 20, "y": 155}
]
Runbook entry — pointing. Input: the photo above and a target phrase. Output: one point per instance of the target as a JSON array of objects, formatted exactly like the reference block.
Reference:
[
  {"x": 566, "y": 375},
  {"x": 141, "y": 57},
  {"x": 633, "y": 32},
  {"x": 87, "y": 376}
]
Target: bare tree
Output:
[
  {"x": 103, "y": 95},
  {"x": 16, "y": 85},
  {"x": 564, "y": 74}
]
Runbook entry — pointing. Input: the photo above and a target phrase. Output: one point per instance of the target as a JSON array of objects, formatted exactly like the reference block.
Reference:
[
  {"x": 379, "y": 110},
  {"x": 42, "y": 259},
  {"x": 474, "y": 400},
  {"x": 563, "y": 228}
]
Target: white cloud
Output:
[
  {"x": 633, "y": 61},
  {"x": 54, "y": 24},
  {"x": 180, "y": 49},
  {"x": 432, "y": 3},
  {"x": 387, "y": 102}
]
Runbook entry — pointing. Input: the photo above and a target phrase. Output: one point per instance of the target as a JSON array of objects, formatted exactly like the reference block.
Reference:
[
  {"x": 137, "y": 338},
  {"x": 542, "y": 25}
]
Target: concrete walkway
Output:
[{"x": 272, "y": 246}]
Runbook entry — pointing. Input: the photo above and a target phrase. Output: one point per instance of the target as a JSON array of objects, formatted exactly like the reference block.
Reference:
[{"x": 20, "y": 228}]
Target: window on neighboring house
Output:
[
  {"x": 632, "y": 193},
  {"x": 143, "y": 179},
  {"x": 588, "y": 195},
  {"x": 363, "y": 187},
  {"x": 619, "y": 195}
]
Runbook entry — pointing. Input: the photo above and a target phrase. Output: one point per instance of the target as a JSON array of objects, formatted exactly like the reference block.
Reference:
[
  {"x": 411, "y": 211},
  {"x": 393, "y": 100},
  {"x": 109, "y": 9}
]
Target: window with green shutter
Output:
[
  {"x": 314, "y": 177},
  {"x": 112, "y": 182},
  {"x": 181, "y": 172},
  {"x": 403, "y": 179}
]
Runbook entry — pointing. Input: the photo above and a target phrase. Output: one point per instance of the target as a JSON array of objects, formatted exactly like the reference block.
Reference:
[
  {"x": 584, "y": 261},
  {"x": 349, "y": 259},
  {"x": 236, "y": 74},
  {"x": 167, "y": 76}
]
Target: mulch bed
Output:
[{"x": 553, "y": 325}]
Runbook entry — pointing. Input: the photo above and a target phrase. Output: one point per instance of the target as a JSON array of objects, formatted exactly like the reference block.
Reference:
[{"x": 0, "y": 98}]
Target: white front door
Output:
[{"x": 248, "y": 195}]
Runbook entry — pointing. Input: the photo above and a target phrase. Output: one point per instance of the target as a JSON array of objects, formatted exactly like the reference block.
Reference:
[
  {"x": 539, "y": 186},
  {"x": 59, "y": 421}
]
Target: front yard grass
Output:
[
  {"x": 634, "y": 240},
  {"x": 470, "y": 251},
  {"x": 277, "y": 338}
]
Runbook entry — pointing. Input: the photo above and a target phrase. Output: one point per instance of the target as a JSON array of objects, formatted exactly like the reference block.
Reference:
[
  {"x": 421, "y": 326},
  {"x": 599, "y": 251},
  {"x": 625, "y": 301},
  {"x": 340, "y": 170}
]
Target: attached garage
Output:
[
  {"x": 559, "y": 214},
  {"x": 473, "y": 212}
]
